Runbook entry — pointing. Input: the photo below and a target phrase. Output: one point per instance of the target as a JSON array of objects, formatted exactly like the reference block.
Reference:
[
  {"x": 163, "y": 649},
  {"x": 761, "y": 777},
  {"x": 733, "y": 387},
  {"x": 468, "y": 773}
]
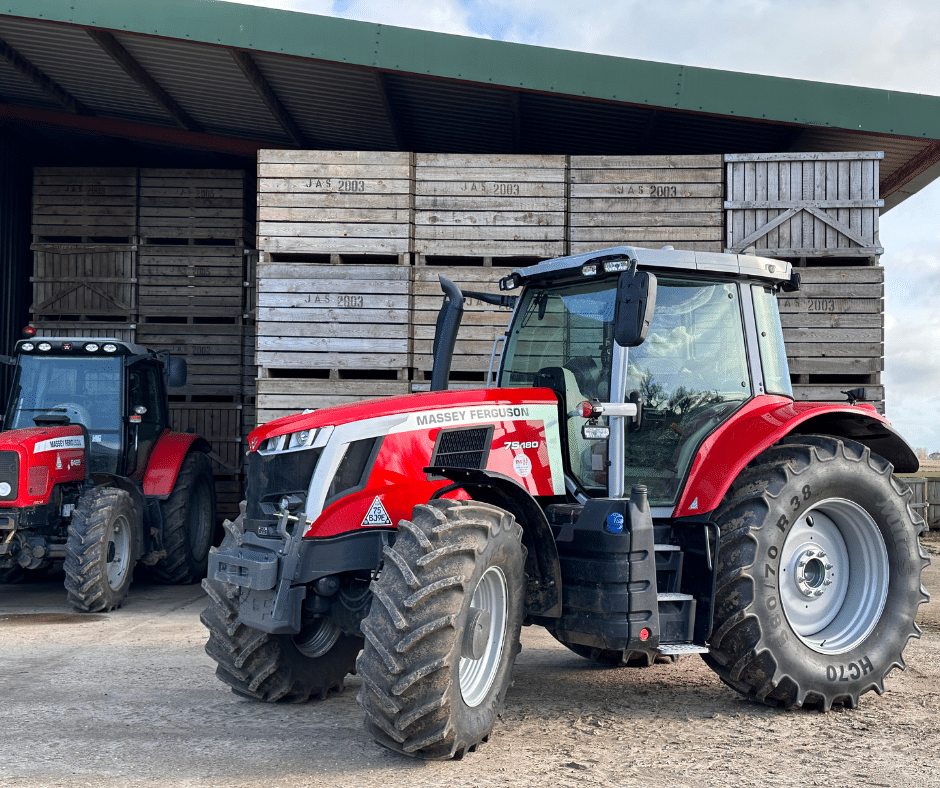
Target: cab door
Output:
[{"x": 146, "y": 416}]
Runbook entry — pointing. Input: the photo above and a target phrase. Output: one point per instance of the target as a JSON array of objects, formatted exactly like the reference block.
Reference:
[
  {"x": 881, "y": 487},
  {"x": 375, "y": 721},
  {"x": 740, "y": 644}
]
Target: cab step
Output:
[{"x": 682, "y": 648}]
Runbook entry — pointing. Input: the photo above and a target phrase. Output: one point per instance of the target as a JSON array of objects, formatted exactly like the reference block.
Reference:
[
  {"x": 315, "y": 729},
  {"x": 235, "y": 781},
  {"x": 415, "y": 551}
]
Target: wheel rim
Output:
[
  {"x": 118, "y": 552},
  {"x": 834, "y": 576},
  {"x": 317, "y": 637},
  {"x": 477, "y": 675},
  {"x": 199, "y": 523}
]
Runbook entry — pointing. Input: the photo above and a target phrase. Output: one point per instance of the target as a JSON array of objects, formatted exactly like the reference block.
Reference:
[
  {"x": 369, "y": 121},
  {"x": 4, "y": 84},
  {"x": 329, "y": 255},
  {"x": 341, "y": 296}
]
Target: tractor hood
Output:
[
  {"x": 34, "y": 459},
  {"x": 481, "y": 404}
]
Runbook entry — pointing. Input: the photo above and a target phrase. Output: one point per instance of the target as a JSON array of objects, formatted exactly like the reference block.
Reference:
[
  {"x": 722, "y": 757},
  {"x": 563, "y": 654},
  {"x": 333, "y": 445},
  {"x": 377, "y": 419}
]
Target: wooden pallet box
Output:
[
  {"x": 648, "y": 201},
  {"x": 279, "y": 397},
  {"x": 803, "y": 204},
  {"x": 84, "y": 204},
  {"x": 213, "y": 354},
  {"x": 335, "y": 202},
  {"x": 349, "y": 317},
  {"x": 218, "y": 423},
  {"x": 833, "y": 328},
  {"x": 481, "y": 326},
  {"x": 194, "y": 204},
  {"x": 84, "y": 282},
  {"x": 491, "y": 206},
  {"x": 204, "y": 280}
]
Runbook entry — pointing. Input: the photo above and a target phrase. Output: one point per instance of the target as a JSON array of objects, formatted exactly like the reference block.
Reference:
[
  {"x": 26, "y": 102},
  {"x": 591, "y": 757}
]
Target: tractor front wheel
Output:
[
  {"x": 818, "y": 575},
  {"x": 443, "y": 630},
  {"x": 266, "y": 667},
  {"x": 101, "y": 550}
]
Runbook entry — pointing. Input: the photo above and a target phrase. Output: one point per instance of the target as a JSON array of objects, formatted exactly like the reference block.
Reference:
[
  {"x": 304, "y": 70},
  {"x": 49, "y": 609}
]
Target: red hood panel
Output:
[{"x": 388, "y": 406}]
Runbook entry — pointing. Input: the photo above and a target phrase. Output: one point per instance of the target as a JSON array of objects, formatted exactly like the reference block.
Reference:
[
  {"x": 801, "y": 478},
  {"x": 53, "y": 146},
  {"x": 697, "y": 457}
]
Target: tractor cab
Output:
[
  {"x": 713, "y": 341},
  {"x": 115, "y": 390}
]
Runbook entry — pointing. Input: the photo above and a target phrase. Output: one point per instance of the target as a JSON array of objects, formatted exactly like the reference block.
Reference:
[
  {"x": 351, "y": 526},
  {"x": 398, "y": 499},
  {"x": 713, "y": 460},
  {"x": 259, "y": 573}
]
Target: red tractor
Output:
[
  {"x": 91, "y": 474},
  {"x": 641, "y": 483}
]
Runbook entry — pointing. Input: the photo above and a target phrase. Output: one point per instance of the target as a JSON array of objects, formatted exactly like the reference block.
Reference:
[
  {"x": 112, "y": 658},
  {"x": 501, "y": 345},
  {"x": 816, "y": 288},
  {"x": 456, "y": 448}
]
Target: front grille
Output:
[
  {"x": 462, "y": 448},
  {"x": 271, "y": 476},
  {"x": 9, "y": 473}
]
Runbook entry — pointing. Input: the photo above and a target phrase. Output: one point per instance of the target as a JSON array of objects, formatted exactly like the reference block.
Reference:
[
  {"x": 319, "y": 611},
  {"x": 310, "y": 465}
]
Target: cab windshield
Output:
[
  {"x": 86, "y": 390},
  {"x": 691, "y": 372}
]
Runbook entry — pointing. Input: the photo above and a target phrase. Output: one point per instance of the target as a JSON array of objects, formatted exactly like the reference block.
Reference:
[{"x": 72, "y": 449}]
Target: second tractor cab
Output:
[
  {"x": 91, "y": 474},
  {"x": 640, "y": 482}
]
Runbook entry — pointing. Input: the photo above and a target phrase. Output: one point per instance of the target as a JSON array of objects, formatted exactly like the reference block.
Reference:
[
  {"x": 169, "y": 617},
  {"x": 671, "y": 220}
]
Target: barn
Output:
[{"x": 273, "y": 195}]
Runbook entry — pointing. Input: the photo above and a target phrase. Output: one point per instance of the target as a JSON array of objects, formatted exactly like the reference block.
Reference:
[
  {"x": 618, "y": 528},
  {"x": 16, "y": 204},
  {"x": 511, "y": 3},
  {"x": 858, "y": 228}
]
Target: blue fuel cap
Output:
[{"x": 614, "y": 523}]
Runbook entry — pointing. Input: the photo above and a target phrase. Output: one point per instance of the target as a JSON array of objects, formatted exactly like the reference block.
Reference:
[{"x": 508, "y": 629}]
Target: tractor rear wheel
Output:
[
  {"x": 443, "y": 630},
  {"x": 818, "y": 575},
  {"x": 266, "y": 667},
  {"x": 188, "y": 523},
  {"x": 101, "y": 550}
]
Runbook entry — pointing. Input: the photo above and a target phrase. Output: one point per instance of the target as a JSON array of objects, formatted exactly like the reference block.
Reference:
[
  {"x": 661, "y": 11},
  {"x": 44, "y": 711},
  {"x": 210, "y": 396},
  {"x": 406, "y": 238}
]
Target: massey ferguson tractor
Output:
[
  {"x": 90, "y": 472},
  {"x": 640, "y": 482}
]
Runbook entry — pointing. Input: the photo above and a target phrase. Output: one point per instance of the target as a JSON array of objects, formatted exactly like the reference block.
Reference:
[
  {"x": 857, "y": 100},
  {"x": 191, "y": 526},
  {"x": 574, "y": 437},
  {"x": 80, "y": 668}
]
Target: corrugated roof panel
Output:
[
  {"x": 897, "y": 150},
  {"x": 337, "y": 106},
  {"x": 15, "y": 88},
  {"x": 77, "y": 64},
  {"x": 207, "y": 83},
  {"x": 444, "y": 116}
]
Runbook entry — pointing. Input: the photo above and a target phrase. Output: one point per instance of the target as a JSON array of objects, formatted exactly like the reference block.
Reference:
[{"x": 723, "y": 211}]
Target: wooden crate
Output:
[
  {"x": 333, "y": 317},
  {"x": 213, "y": 353},
  {"x": 283, "y": 396},
  {"x": 496, "y": 205},
  {"x": 203, "y": 280},
  {"x": 218, "y": 423},
  {"x": 482, "y": 323},
  {"x": 649, "y": 201},
  {"x": 84, "y": 204},
  {"x": 126, "y": 332},
  {"x": 803, "y": 204},
  {"x": 335, "y": 202},
  {"x": 85, "y": 281},
  {"x": 194, "y": 204},
  {"x": 834, "y": 331}
]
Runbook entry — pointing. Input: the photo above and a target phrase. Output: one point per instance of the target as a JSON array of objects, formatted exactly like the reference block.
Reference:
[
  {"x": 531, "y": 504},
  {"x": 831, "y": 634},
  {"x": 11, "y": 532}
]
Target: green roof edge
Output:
[{"x": 520, "y": 66}]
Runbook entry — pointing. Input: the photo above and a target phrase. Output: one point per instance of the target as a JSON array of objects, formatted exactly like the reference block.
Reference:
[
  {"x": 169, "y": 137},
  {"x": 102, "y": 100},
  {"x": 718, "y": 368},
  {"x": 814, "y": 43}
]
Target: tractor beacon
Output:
[{"x": 640, "y": 482}]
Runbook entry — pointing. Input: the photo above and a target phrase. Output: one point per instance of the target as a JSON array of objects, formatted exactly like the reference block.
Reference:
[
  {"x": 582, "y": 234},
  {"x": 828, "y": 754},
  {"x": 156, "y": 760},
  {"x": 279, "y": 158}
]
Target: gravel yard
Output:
[{"x": 129, "y": 698}]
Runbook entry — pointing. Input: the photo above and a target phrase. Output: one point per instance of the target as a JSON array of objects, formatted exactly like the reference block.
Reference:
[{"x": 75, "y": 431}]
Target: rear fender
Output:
[
  {"x": 765, "y": 421},
  {"x": 166, "y": 459},
  {"x": 543, "y": 595}
]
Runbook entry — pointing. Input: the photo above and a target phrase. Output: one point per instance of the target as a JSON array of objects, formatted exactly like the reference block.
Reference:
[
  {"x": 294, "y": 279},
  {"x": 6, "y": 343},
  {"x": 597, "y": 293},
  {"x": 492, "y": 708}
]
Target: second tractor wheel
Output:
[
  {"x": 818, "y": 575},
  {"x": 101, "y": 550},
  {"x": 188, "y": 523},
  {"x": 442, "y": 633},
  {"x": 261, "y": 666}
]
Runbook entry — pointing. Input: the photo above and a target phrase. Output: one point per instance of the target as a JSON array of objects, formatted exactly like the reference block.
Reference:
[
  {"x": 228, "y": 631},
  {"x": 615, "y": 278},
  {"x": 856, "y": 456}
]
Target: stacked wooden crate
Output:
[
  {"x": 650, "y": 201},
  {"x": 476, "y": 218},
  {"x": 84, "y": 227},
  {"x": 489, "y": 206},
  {"x": 334, "y": 278},
  {"x": 819, "y": 211},
  {"x": 195, "y": 229}
]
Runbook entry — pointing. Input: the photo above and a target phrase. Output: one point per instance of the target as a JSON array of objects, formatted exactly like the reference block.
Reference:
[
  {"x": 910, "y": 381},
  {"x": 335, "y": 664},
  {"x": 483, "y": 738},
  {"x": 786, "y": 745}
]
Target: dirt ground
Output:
[{"x": 131, "y": 699}]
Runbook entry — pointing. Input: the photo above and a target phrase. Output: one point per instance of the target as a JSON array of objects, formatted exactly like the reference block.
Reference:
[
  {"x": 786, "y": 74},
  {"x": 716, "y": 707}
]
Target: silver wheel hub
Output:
[
  {"x": 833, "y": 576},
  {"x": 481, "y": 647}
]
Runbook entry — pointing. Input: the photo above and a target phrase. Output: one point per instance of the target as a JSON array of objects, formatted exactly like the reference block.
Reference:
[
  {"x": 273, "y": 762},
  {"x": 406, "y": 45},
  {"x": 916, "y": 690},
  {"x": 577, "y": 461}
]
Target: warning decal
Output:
[{"x": 376, "y": 514}]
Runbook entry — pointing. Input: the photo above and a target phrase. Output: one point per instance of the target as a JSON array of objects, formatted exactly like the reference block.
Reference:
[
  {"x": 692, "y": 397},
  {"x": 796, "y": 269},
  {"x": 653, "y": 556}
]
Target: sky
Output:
[{"x": 893, "y": 46}]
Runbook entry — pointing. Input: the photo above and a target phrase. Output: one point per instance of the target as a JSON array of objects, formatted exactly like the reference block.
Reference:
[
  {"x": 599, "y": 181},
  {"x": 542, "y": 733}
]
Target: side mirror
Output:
[
  {"x": 176, "y": 372},
  {"x": 636, "y": 302}
]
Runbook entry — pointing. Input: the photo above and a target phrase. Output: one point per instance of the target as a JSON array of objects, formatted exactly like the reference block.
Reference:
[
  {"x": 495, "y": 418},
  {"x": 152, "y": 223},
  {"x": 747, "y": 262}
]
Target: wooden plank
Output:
[
  {"x": 359, "y": 187},
  {"x": 330, "y": 359},
  {"x": 506, "y": 248},
  {"x": 647, "y": 219},
  {"x": 651, "y": 178},
  {"x": 826, "y": 274},
  {"x": 833, "y": 334},
  {"x": 842, "y": 366},
  {"x": 578, "y": 247},
  {"x": 831, "y": 320},
  {"x": 788, "y": 157},
  {"x": 343, "y": 204},
  {"x": 640, "y": 235},
  {"x": 644, "y": 191},
  {"x": 345, "y": 157},
  {"x": 645, "y": 162},
  {"x": 821, "y": 304},
  {"x": 486, "y": 219},
  {"x": 336, "y": 215},
  {"x": 333, "y": 230},
  {"x": 488, "y": 233},
  {"x": 834, "y": 349},
  {"x": 339, "y": 177},
  {"x": 329, "y": 245}
]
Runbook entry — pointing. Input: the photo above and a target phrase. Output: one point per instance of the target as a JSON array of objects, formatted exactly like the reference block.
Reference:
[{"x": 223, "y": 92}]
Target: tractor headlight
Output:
[{"x": 5, "y": 489}]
